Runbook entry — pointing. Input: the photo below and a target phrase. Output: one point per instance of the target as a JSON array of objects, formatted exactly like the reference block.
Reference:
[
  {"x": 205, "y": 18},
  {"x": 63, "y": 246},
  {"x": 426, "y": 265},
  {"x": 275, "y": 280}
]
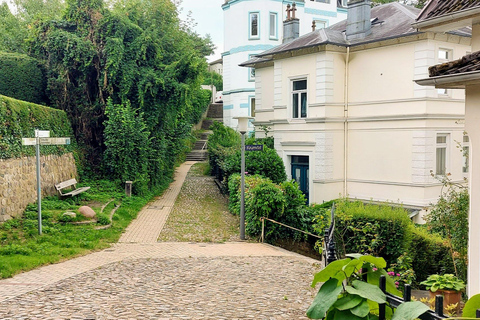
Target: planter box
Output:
[{"x": 449, "y": 297}]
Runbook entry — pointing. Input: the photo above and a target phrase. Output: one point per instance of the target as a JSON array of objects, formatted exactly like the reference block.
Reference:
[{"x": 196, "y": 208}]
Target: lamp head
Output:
[{"x": 243, "y": 123}]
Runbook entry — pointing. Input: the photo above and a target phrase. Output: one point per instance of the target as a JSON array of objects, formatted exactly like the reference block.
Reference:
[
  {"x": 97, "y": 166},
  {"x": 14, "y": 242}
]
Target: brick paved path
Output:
[{"x": 139, "y": 278}]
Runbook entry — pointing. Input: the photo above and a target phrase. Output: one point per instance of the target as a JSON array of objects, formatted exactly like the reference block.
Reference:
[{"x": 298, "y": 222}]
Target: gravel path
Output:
[{"x": 165, "y": 280}]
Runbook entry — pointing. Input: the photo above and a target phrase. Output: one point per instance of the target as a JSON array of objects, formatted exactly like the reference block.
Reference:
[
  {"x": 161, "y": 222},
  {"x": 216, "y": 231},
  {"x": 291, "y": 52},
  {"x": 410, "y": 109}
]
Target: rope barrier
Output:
[{"x": 263, "y": 228}]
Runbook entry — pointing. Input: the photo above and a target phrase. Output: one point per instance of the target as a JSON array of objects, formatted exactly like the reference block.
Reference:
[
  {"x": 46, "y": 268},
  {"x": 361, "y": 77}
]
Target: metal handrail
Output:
[{"x": 282, "y": 224}]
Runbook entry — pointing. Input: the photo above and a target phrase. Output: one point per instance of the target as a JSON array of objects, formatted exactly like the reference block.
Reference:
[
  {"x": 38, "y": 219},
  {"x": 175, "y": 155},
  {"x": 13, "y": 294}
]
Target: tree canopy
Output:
[{"x": 129, "y": 52}]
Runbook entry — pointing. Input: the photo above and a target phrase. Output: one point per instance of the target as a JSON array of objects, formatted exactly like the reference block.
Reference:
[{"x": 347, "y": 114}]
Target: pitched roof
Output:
[
  {"x": 389, "y": 21},
  {"x": 468, "y": 63},
  {"x": 438, "y": 8}
]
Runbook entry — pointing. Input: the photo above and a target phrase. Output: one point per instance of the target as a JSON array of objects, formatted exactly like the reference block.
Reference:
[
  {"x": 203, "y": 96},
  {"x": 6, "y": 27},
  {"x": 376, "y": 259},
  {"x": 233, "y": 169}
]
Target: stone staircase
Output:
[{"x": 199, "y": 152}]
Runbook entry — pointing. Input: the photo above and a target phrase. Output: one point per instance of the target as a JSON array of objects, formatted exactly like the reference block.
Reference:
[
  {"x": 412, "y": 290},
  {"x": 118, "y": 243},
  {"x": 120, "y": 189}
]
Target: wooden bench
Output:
[{"x": 67, "y": 185}]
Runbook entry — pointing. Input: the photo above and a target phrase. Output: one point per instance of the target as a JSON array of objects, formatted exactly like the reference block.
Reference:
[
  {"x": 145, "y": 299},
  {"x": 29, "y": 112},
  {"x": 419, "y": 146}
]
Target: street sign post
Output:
[
  {"x": 254, "y": 147},
  {"x": 42, "y": 137}
]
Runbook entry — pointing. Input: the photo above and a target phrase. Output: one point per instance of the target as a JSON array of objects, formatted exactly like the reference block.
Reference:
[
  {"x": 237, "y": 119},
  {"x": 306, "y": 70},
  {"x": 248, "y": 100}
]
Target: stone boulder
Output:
[
  {"x": 87, "y": 212},
  {"x": 70, "y": 214}
]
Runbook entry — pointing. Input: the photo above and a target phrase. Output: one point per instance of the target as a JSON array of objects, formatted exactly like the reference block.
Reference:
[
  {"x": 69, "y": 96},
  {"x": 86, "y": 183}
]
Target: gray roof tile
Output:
[
  {"x": 468, "y": 63},
  {"x": 438, "y": 8}
]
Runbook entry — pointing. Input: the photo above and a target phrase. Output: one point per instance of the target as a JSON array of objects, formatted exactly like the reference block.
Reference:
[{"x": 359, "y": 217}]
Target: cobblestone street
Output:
[{"x": 139, "y": 278}]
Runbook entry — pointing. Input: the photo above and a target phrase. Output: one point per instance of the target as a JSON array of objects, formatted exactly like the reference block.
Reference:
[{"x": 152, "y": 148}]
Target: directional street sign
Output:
[
  {"x": 45, "y": 141},
  {"x": 42, "y": 137},
  {"x": 254, "y": 147},
  {"x": 42, "y": 133}
]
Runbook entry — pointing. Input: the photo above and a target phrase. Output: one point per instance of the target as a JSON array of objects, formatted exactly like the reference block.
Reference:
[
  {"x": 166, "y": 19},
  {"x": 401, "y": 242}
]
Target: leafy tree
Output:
[
  {"x": 213, "y": 78},
  {"x": 12, "y": 33},
  {"x": 130, "y": 51}
]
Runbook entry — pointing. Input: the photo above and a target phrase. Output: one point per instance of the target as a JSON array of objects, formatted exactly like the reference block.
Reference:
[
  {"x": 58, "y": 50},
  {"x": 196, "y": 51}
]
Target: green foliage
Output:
[
  {"x": 266, "y": 163},
  {"x": 222, "y": 143},
  {"x": 22, "y": 77},
  {"x": 19, "y": 119},
  {"x": 344, "y": 295},
  {"x": 449, "y": 218},
  {"x": 443, "y": 282},
  {"x": 429, "y": 253},
  {"x": 103, "y": 219},
  {"x": 387, "y": 231},
  {"x": 135, "y": 51},
  {"x": 12, "y": 31},
  {"x": 284, "y": 203},
  {"x": 128, "y": 145},
  {"x": 471, "y": 306},
  {"x": 213, "y": 78},
  {"x": 381, "y": 230},
  {"x": 22, "y": 249}
]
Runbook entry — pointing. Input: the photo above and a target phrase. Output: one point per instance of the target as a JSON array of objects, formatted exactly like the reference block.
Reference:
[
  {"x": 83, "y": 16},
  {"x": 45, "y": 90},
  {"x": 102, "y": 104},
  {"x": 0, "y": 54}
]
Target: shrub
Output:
[
  {"x": 284, "y": 203},
  {"x": 381, "y": 230},
  {"x": 449, "y": 218},
  {"x": 430, "y": 254},
  {"x": 21, "y": 77},
  {"x": 223, "y": 142},
  {"x": 266, "y": 163},
  {"x": 127, "y": 141},
  {"x": 264, "y": 200}
]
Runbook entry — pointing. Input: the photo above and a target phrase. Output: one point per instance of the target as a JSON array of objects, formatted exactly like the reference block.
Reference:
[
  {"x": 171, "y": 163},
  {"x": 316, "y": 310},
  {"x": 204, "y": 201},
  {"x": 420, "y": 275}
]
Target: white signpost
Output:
[{"x": 42, "y": 137}]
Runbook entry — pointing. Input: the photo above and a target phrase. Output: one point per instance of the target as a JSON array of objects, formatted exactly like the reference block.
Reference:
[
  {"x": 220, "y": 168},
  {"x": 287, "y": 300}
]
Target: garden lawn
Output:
[
  {"x": 201, "y": 212},
  {"x": 23, "y": 249}
]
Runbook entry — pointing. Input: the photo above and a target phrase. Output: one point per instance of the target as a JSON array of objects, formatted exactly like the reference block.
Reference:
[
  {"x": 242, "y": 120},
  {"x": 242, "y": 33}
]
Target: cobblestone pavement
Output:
[{"x": 141, "y": 279}]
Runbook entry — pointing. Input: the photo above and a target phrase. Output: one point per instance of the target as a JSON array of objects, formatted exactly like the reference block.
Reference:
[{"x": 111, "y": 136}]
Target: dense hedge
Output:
[
  {"x": 284, "y": 203},
  {"x": 21, "y": 77},
  {"x": 19, "y": 119},
  {"x": 387, "y": 231},
  {"x": 430, "y": 254}
]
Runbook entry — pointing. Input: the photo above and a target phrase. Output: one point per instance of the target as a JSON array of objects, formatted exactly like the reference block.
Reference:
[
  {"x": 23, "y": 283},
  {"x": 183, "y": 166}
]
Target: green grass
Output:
[
  {"x": 200, "y": 213},
  {"x": 23, "y": 249}
]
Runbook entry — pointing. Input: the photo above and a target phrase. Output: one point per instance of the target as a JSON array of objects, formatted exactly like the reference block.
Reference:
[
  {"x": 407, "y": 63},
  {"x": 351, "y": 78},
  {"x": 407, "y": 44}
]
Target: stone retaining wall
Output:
[{"x": 18, "y": 181}]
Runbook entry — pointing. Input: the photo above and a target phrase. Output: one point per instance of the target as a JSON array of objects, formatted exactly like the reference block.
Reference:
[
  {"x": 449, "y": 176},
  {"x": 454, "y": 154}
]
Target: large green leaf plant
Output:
[{"x": 345, "y": 295}]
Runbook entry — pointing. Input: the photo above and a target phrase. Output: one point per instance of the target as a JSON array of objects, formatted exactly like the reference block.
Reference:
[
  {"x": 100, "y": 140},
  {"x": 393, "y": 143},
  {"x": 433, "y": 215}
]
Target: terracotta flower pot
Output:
[{"x": 449, "y": 297}]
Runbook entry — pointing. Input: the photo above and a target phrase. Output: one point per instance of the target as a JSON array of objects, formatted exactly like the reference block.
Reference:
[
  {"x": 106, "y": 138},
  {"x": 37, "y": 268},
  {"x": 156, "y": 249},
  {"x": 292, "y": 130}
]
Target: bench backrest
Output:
[{"x": 65, "y": 184}]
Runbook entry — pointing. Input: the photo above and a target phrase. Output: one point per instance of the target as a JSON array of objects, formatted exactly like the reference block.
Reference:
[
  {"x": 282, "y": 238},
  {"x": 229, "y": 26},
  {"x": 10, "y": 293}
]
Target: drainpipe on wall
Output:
[{"x": 345, "y": 125}]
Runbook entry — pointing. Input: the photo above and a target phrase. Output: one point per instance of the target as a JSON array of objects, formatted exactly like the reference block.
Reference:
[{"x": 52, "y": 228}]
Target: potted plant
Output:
[{"x": 447, "y": 285}]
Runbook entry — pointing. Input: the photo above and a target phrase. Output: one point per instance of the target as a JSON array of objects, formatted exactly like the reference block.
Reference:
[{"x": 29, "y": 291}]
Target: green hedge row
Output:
[
  {"x": 387, "y": 231},
  {"x": 21, "y": 77},
  {"x": 19, "y": 119}
]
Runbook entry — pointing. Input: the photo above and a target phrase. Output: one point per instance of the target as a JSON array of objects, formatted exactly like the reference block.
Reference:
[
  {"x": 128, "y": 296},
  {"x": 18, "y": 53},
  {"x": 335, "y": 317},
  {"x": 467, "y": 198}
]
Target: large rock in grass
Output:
[{"x": 87, "y": 212}]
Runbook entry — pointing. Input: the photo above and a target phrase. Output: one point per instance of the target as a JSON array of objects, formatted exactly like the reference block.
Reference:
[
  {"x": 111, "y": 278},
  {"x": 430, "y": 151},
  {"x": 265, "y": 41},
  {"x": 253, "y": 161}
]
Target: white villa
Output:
[
  {"x": 347, "y": 117},
  {"x": 253, "y": 26}
]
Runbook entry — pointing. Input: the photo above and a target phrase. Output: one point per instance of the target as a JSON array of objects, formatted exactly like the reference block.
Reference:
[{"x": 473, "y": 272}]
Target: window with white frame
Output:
[
  {"x": 444, "y": 55},
  {"x": 441, "y": 154},
  {"x": 465, "y": 152},
  {"x": 254, "y": 26},
  {"x": 299, "y": 98},
  {"x": 273, "y": 25}
]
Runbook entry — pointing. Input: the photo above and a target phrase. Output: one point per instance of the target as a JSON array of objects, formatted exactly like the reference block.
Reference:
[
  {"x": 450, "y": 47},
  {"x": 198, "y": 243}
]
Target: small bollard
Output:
[{"x": 128, "y": 188}]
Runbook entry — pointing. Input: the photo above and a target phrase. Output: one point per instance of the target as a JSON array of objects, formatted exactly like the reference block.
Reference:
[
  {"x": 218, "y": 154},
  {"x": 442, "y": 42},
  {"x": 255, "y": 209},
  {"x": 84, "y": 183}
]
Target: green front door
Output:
[{"x": 300, "y": 171}]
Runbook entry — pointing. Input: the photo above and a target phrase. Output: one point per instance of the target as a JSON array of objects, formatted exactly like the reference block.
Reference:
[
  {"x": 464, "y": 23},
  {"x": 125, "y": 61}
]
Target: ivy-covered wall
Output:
[
  {"x": 21, "y": 77},
  {"x": 19, "y": 119}
]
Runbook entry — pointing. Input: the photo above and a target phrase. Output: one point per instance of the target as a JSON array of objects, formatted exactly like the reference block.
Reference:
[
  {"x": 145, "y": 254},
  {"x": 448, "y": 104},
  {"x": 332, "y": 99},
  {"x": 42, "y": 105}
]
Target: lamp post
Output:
[{"x": 242, "y": 128}]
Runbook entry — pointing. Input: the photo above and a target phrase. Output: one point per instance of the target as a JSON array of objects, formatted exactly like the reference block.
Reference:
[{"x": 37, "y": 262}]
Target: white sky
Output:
[{"x": 208, "y": 15}]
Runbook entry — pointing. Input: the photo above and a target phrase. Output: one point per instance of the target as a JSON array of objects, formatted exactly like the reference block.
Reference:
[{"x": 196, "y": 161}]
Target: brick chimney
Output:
[
  {"x": 291, "y": 26},
  {"x": 358, "y": 19}
]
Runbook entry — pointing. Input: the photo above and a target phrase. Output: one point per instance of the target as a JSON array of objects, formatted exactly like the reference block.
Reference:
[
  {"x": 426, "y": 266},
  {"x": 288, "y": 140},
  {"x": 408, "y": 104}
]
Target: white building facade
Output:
[
  {"x": 253, "y": 26},
  {"x": 348, "y": 119}
]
